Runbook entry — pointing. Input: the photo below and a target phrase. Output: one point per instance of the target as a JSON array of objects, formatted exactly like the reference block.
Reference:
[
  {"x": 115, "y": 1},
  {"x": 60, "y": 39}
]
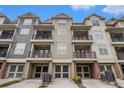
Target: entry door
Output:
[
  {"x": 83, "y": 71},
  {"x": 39, "y": 70},
  {"x": 61, "y": 71}
]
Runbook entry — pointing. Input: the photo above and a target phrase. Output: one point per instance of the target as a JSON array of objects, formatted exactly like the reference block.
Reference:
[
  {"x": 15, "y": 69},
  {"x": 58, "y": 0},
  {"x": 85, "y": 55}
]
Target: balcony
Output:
[
  {"x": 40, "y": 52},
  {"x": 43, "y": 37},
  {"x": 83, "y": 53},
  {"x": 3, "y": 51},
  {"x": 117, "y": 38},
  {"x": 82, "y": 40},
  {"x": 81, "y": 37},
  {"x": 6, "y": 36},
  {"x": 120, "y": 53}
]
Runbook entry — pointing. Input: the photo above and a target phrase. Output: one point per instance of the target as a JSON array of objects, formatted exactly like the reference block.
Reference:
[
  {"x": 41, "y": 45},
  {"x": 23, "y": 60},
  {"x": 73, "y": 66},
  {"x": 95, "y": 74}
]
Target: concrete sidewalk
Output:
[
  {"x": 92, "y": 83},
  {"x": 62, "y": 83},
  {"x": 32, "y": 83}
]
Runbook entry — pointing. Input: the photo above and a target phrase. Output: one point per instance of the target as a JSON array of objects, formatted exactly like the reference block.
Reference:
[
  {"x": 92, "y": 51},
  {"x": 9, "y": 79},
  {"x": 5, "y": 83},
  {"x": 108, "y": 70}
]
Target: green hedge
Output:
[
  {"x": 77, "y": 80},
  {"x": 9, "y": 83}
]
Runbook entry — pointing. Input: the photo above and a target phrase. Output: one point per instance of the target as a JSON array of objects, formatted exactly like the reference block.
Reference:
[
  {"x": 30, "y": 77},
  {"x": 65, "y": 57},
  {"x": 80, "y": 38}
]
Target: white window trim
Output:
[
  {"x": 19, "y": 49},
  {"x": 62, "y": 49},
  {"x": 62, "y": 22},
  {"x": 103, "y": 47},
  {"x": 27, "y": 22},
  {"x": 24, "y": 31},
  {"x": 62, "y": 32},
  {"x": 98, "y": 34},
  {"x": 15, "y": 72}
]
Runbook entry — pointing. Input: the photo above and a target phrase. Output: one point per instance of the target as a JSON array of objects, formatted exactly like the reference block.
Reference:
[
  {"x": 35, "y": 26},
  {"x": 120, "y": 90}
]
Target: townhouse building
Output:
[{"x": 61, "y": 47}]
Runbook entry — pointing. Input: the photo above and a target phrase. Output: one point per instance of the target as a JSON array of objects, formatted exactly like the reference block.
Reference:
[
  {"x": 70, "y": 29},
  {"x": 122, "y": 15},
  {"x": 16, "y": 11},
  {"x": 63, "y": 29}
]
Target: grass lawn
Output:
[{"x": 9, "y": 83}]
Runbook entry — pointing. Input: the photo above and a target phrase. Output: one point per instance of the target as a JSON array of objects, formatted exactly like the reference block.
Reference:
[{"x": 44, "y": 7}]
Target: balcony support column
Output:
[
  {"x": 50, "y": 68},
  {"x": 2, "y": 70},
  {"x": 95, "y": 70},
  {"x": 26, "y": 70},
  {"x": 72, "y": 70},
  {"x": 118, "y": 71}
]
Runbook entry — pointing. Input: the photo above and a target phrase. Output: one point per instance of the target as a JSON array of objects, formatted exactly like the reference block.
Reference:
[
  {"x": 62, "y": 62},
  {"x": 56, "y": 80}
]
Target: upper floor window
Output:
[
  {"x": 2, "y": 20},
  {"x": 98, "y": 34},
  {"x": 61, "y": 48},
  {"x": 95, "y": 23},
  {"x": 102, "y": 49},
  {"x": 62, "y": 22},
  {"x": 20, "y": 48},
  {"x": 62, "y": 32},
  {"x": 27, "y": 22},
  {"x": 25, "y": 31}
]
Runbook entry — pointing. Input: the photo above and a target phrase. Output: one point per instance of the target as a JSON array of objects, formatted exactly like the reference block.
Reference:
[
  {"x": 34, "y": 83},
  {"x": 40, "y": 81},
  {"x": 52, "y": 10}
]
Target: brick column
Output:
[
  {"x": 95, "y": 70},
  {"x": 117, "y": 70},
  {"x": 2, "y": 70}
]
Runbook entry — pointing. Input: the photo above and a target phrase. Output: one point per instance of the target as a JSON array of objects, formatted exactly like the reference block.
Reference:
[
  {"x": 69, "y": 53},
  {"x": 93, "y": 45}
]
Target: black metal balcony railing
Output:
[
  {"x": 43, "y": 37},
  {"x": 82, "y": 37},
  {"x": 84, "y": 55},
  {"x": 118, "y": 39},
  {"x": 41, "y": 55},
  {"x": 3, "y": 53},
  {"x": 6, "y": 36},
  {"x": 120, "y": 56}
]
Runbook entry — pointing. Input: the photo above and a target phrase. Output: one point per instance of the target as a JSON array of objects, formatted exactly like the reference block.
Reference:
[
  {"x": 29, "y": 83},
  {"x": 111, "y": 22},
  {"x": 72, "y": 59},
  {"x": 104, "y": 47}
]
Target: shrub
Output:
[
  {"x": 9, "y": 83},
  {"x": 77, "y": 80}
]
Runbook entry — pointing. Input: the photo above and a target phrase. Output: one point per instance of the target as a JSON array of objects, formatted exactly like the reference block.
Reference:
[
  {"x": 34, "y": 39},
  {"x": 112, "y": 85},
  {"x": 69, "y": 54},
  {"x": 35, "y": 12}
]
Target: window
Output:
[
  {"x": 25, "y": 31},
  {"x": 2, "y": 20},
  {"x": 98, "y": 35},
  {"x": 62, "y": 22},
  {"x": 61, "y": 49},
  {"x": 27, "y": 22},
  {"x": 102, "y": 49},
  {"x": 95, "y": 22},
  {"x": 62, "y": 32},
  {"x": 105, "y": 67},
  {"x": 15, "y": 71},
  {"x": 20, "y": 47}
]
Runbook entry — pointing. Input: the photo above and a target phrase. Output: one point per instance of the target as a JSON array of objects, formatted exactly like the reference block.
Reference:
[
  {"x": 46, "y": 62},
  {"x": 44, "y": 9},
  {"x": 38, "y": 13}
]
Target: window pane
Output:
[
  {"x": 102, "y": 68},
  {"x": 20, "y": 68},
  {"x": 85, "y": 69},
  {"x": 11, "y": 75},
  {"x": 37, "y": 75},
  {"x": 45, "y": 69},
  {"x": 27, "y": 22},
  {"x": 25, "y": 31},
  {"x": 38, "y": 69},
  {"x": 18, "y": 75},
  {"x": 65, "y": 75},
  {"x": 57, "y": 75},
  {"x": 86, "y": 75},
  {"x": 65, "y": 68},
  {"x": 79, "y": 69},
  {"x": 58, "y": 69},
  {"x": 109, "y": 67},
  {"x": 12, "y": 68}
]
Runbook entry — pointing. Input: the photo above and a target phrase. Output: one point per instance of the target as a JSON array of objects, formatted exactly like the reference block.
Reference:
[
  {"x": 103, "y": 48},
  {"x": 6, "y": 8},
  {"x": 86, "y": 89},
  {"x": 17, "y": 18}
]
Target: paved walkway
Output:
[
  {"x": 62, "y": 83},
  {"x": 92, "y": 83},
  {"x": 32, "y": 83}
]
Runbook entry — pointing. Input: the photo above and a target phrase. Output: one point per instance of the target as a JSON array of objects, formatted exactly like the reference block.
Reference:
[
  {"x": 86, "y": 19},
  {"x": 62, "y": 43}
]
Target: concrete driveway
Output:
[
  {"x": 92, "y": 83},
  {"x": 62, "y": 83},
  {"x": 32, "y": 83}
]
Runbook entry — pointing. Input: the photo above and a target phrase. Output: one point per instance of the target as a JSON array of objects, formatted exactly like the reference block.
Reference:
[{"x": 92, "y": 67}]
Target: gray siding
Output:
[{"x": 22, "y": 39}]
